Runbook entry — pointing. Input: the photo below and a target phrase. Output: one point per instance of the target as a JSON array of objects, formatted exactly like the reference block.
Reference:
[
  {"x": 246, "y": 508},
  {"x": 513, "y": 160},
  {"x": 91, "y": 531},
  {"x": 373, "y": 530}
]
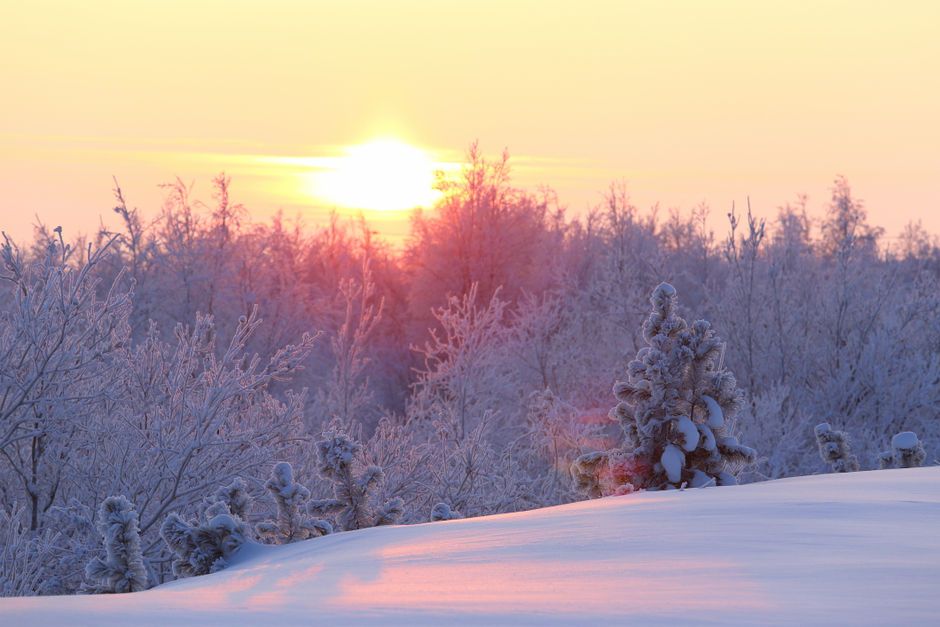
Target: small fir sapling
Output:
[
  {"x": 289, "y": 524},
  {"x": 123, "y": 568},
  {"x": 674, "y": 410},
  {"x": 352, "y": 491},
  {"x": 203, "y": 548},
  {"x": 442, "y": 511},
  {"x": 906, "y": 452},
  {"x": 835, "y": 449}
]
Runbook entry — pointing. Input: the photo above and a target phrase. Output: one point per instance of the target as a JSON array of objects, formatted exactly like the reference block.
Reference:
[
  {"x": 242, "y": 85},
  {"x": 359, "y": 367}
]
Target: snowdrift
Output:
[{"x": 859, "y": 548}]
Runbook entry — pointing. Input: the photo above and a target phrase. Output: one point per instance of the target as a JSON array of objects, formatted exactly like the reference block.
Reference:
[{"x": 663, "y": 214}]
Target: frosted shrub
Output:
[
  {"x": 906, "y": 452},
  {"x": 25, "y": 556},
  {"x": 290, "y": 524},
  {"x": 442, "y": 511},
  {"x": 352, "y": 491},
  {"x": 555, "y": 437},
  {"x": 202, "y": 548},
  {"x": 834, "y": 448},
  {"x": 123, "y": 568},
  {"x": 675, "y": 410},
  {"x": 231, "y": 499}
]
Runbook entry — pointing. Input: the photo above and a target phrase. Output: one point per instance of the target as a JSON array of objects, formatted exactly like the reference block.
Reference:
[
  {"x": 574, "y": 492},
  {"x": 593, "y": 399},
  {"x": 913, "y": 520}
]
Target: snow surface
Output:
[{"x": 855, "y": 548}]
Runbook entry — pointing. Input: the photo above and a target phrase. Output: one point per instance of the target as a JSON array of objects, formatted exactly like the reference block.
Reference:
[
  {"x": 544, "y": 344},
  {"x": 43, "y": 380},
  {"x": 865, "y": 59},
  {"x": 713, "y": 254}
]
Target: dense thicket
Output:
[{"x": 475, "y": 365}]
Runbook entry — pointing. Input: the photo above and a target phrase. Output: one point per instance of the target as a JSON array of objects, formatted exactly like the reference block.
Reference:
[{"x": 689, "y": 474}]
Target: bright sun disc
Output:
[{"x": 382, "y": 175}]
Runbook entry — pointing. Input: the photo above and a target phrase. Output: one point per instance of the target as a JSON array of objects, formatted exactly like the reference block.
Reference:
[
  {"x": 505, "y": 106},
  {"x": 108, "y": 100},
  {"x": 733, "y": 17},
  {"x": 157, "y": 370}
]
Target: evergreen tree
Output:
[
  {"x": 289, "y": 525},
  {"x": 674, "y": 410},
  {"x": 123, "y": 568},
  {"x": 352, "y": 491},
  {"x": 835, "y": 449}
]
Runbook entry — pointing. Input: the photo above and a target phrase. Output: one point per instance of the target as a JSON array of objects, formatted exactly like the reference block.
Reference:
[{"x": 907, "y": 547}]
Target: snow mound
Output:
[{"x": 856, "y": 548}]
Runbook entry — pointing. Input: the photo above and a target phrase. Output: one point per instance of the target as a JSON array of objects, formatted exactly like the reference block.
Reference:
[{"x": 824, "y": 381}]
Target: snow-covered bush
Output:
[
  {"x": 123, "y": 568},
  {"x": 835, "y": 449},
  {"x": 289, "y": 524},
  {"x": 906, "y": 452},
  {"x": 556, "y": 436},
  {"x": 50, "y": 560},
  {"x": 352, "y": 490},
  {"x": 782, "y": 433},
  {"x": 675, "y": 409},
  {"x": 231, "y": 499},
  {"x": 403, "y": 454},
  {"x": 24, "y": 555},
  {"x": 442, "y": 511},
  {"x": 202, "y": 548}
]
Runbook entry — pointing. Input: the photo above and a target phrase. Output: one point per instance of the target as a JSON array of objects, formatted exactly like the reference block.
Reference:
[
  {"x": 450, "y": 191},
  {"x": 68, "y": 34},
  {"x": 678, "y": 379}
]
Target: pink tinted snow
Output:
[{"x": 553, "y": 586}]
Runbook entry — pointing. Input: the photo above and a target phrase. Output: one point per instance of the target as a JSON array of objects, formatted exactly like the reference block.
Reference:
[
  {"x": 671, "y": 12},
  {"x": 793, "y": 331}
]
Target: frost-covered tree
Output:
[
  {"x": 907, "y": 451},
  {"x": 58, "y": 343},
  {"x": 202, "y": 548},
  {"x": 464, "y": 377},
  {"x": 346, "y": 395},
  {"x": 675, "y": 409},
  {"x": 835, "y": 449},
  {"x": 289, "y": 523},
  {"x": 352, "y": 489},
  {"x": 123, "y": 569},
  {"x": 483, "y": 233}
]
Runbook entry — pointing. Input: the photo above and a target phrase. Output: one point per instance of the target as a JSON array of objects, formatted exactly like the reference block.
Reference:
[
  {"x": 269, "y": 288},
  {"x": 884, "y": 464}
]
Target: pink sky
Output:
[{"x": 686, "y": 101}]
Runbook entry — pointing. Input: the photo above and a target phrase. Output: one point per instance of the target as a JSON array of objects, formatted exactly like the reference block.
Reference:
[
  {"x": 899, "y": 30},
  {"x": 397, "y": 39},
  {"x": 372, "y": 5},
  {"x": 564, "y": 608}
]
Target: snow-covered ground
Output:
[{"x": 859, "y": 548}]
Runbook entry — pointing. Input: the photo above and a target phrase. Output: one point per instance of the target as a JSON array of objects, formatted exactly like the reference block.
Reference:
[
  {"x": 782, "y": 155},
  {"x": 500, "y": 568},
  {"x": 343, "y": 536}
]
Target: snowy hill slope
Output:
[{"x": 860, "y": 548}]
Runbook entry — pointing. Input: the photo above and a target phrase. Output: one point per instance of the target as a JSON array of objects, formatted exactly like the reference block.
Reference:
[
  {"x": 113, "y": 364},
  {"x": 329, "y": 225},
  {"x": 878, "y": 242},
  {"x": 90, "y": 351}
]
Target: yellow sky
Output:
[{"x": 687, "y": 101}]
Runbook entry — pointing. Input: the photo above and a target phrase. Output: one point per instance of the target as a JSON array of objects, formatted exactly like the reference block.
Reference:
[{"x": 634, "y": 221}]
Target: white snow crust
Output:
[{"x": 839, "y": 549}]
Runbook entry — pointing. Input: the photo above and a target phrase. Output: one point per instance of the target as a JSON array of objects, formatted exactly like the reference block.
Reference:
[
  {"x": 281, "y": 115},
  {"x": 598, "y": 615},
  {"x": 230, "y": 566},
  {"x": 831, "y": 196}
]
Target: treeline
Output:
[{"x": 474, "y": 365}]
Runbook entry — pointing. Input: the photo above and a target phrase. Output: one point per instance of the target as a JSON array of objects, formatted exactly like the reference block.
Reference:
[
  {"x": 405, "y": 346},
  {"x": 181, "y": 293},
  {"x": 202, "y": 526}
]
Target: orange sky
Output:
[{"x": 686, "y": 101}]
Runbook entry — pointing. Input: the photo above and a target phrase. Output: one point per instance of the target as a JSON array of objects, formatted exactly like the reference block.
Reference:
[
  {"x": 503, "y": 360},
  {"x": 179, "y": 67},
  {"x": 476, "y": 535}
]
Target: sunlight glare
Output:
[{"x": 381, "y": 175}]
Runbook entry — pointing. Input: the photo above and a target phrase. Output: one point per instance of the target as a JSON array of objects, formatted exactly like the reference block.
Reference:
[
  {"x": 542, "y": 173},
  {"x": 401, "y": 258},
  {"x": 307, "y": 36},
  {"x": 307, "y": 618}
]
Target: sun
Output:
[{"x": 381, "y": 175}]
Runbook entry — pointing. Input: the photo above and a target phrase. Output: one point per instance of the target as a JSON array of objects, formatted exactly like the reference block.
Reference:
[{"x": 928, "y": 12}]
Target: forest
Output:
[{"x": 201, "y": 356}]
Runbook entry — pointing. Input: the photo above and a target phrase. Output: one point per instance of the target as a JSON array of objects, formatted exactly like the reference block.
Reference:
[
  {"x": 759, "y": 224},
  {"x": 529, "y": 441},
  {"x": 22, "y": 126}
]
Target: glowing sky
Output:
[{"x": 686, "y": 101}]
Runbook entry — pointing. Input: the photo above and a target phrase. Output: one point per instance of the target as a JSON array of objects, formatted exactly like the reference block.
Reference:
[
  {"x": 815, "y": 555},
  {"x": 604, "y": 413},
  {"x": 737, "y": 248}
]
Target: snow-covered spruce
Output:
[
  {"x": 290, "y": 523},
  {"x": 123, "y": 568},
  {"x": 835, "y": 449},
  {"x": 906, "y": 452},
  {"x": 674, "y": 409},
  {"x": 202, "y": 548},
  {"x": 351, "y": 491}
]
